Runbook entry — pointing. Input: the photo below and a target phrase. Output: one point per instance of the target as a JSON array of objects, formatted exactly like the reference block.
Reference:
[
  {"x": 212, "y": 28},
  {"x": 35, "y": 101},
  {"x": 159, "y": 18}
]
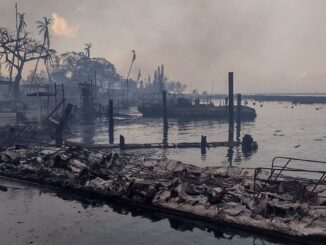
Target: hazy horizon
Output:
[{"x": 270, "y": 45}]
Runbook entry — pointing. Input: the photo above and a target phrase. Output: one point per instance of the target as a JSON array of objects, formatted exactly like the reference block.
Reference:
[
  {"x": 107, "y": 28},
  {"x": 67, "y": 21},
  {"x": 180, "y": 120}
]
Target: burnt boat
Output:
[{"x": 183, "y": 108}]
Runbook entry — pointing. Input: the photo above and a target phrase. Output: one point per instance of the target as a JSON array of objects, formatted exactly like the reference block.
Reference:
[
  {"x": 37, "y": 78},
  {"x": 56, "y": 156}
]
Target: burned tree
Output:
[
  {"x": 87, "y": 49},
  {"x": 20, "y": 30},
  {"x": 132, "y": 62},
  {"x": 17, "y": 51},
  {"x": 43, "y": 27}
]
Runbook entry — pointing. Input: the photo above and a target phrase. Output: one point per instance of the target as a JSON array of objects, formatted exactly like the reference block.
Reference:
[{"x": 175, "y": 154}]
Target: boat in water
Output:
[{"x": 184, "y": 108}]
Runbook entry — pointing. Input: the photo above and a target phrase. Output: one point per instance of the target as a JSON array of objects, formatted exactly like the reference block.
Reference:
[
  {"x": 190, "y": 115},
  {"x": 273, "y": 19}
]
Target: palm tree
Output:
[
  {"x": 22, "y": 24},
  {"x": 43, "y": 28},
  {"x": 87, "y": 49},
  {"x": 21, "y": 27},
  {"x": 132, "y": 61}
]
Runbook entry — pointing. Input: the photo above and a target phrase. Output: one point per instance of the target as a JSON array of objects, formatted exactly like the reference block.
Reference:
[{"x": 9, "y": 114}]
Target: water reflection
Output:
[
  {"x": 238, "y": 132},
  {"x": 165, "y": 134},
  {"x": 175, "y": 222},
  {"x": 230, "y": 154},
  {"x": 238, "y": 154},
  {"x": 302, "y": 125}
]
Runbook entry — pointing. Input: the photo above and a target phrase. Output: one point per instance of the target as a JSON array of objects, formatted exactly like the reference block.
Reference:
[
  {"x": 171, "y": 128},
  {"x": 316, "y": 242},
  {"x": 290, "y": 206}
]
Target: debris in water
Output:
[
  {"x": 278, "y": 133},
  {"x": 248, "y": 144},
  {"x": 3, "y": 188}
]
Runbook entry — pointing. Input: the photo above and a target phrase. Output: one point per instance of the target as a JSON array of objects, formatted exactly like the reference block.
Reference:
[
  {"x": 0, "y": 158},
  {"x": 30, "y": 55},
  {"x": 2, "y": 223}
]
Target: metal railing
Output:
[{"x": 276, "y": 171}]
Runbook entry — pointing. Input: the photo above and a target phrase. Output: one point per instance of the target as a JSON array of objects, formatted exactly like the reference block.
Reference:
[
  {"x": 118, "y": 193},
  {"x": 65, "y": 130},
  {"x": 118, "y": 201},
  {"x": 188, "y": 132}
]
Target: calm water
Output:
[
  {"x": 279, "y": 130},
  {"x": 39, "y": 216}
]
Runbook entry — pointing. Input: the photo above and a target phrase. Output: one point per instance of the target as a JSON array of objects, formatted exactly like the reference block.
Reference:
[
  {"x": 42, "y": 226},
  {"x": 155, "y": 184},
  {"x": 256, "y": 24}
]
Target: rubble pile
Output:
[{"x": 216, "y": 194}]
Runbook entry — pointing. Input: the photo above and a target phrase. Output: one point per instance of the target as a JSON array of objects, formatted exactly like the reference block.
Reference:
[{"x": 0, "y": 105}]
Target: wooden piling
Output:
[
  {"x": 231, "y": 108},
  {"x": 165, "y": 111},
  {"x": 122, "y": 142},
  {"x": 165, "y": 135},
  {"x": 165, "y": 119},
  {"x": 238, "y": 116},
  {"x": 111, "y": 123},
  {"x": 203, "y": 144},
  {"x": 203, "y": 141}
]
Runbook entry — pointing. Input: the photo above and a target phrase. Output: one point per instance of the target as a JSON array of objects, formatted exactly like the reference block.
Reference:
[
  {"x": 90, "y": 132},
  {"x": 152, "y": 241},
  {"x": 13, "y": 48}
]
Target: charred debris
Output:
[
  {"x": 36, "y": 117},
  {"x": 258, "y": 199}
]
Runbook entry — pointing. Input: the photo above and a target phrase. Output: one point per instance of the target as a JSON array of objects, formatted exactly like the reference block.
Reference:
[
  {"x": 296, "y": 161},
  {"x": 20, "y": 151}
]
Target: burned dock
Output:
[{"x": 260, "y": 200}]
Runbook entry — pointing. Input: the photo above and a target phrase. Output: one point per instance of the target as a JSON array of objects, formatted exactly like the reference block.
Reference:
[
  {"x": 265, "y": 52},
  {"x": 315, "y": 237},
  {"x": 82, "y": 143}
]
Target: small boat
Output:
[{"x": 183, "y": 108}]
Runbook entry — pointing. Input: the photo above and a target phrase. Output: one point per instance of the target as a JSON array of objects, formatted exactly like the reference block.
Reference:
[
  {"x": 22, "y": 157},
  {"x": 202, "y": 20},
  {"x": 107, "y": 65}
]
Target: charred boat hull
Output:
[{"x": 197, "y": 112}]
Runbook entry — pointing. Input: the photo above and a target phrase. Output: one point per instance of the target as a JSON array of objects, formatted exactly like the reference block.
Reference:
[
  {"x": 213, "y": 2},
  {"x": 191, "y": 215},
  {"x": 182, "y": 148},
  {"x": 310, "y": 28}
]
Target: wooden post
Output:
[
  {"x": 203, "y": 144},
  {"x": 111, "y": 123},
  {"x": 231, "y": 108},
  {"x": 165, "y": 111},
  {"x": 165, "y": 119},
  {"x": 122, "y": 142},
  {"x": 238, "y": 116}
]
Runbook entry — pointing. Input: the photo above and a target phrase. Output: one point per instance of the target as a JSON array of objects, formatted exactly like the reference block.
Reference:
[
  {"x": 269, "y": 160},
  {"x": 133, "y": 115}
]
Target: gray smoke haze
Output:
[{"x": 271, "y": 45}]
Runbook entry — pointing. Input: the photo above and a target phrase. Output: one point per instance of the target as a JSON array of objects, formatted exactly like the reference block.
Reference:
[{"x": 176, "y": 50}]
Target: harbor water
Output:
[
  {"x": 36, "y": 215},
  {"x": 280, "y": 129}
]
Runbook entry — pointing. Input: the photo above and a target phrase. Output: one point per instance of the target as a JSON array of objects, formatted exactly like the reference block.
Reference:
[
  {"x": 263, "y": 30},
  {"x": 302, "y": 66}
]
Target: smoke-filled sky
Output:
[{"x": 271, "y": 45}]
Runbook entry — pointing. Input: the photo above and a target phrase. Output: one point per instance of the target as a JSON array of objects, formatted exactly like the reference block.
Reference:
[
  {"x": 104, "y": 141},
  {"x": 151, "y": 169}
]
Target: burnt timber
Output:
[{"x": 238, "y": 197}]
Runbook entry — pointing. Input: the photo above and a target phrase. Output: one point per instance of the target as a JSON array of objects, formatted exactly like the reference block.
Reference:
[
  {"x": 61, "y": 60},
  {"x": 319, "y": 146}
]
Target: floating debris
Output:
[
  {"x": 248, "y": 144},
  {"x": 3, "y": 188},
  {"x": 278, "y": 133},
  {"x": 318, "y": 139}
]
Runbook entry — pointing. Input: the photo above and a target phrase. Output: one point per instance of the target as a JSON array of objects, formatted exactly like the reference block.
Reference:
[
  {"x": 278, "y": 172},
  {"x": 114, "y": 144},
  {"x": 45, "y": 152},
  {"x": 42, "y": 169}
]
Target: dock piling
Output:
[
  {"x": 203, "y": 144},
  {"x": 231, "y": 108},
  {"x": 122, "y": 142},
  {"x": 165, "y": 119},
  {"x": 165, "y": 111},
  {"x": 111, "y": 122},
  {"x": 238, "y": 116}
]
